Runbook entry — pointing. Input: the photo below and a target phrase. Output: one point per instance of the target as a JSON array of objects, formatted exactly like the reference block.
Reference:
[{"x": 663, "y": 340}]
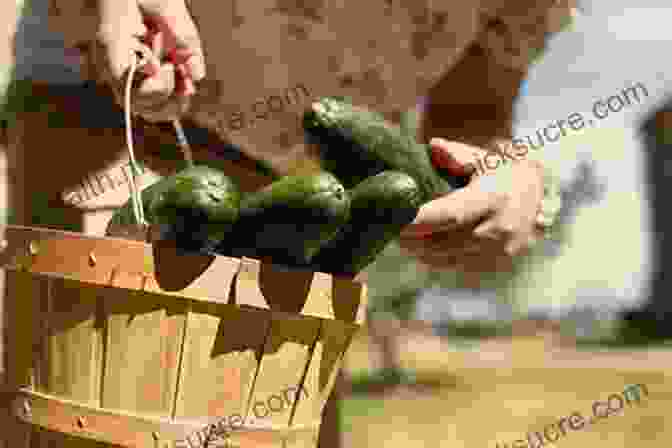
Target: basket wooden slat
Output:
[
  {"x": 219, "y": 361},
  {"x": 118, "y": 343},
  {"x": 322, "y": 371},
  {"x": 143, "y": 341}
]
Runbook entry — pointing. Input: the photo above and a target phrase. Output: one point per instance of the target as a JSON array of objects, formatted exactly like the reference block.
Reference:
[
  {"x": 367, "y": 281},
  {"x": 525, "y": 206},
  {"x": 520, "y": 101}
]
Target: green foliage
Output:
[
  {"x": 19, "y": 98},
  {"x": 381, "y": 379},
  {"x": 633, "y": 329},
  {"x": 476, "y": 329},
  {"x": 401, "y": 304},
  {"x": 359, "y": 407},
  {"x": 394, "y": 280}
]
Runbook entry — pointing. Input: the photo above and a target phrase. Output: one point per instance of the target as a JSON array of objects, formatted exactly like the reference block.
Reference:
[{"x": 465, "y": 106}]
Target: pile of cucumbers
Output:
[{"x": 375, "y": 178}]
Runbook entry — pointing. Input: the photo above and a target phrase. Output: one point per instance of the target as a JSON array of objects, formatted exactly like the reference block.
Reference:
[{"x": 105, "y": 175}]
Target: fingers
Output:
[
  {"x": 178, "y": 43},
  {"x": 451, "y": 249},
  {"x": 443, "y": 159},
  {"x": 469, "y": 254},
  {"x": 165, "y": 34},
  {"x": 481, "y": 227},
  {"x": 449, "y": 242},
  {"x": 156, "y": 89},
  {"x": 120, "y": 27},
  {"x": 458, "y": 158},
  {"x": 481, "y": 198},
  {"x": 458, "y": 209},
  {"x": 471, "y": 248},
  {"x": 515, "y": 222},
  {"x": 181, "y": 38},
  {"x": 184, "y": 84},
  {"x": 468, "y": 263}
]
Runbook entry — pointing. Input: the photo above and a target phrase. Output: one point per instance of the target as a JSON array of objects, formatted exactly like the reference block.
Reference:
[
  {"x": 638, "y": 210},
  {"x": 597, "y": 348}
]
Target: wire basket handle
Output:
[{"x": 138, "y": 210}]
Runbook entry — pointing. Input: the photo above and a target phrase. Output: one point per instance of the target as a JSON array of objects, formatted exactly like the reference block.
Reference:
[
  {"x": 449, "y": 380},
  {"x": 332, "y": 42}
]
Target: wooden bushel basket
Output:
[{"x": 118, "y": 343}]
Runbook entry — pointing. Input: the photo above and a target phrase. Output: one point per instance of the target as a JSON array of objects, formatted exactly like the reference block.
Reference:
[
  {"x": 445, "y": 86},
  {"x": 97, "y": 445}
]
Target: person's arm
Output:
[
  {"x": 473, "y": 103},
  {"x": 498, "y": 215}
]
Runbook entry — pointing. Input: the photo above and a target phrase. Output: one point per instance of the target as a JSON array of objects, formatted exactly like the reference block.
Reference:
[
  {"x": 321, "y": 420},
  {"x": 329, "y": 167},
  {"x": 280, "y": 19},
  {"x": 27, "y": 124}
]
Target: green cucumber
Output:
[
  {"x": 195, "y": 207},
  {"x": 289, "y": 220},
  {"x": 356, "y": 143},
  {"x": 380, "y": 207},
  {"x": 123, "y": 216}
]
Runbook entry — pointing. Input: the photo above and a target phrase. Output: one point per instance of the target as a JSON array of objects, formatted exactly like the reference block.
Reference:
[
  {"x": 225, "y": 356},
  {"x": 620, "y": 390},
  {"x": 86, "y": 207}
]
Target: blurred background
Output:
[{"x": 581, "y": 316}]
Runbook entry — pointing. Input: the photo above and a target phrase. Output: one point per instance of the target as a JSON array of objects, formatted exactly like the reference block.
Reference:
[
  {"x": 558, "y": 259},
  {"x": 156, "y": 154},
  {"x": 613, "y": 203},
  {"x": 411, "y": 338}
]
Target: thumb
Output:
[
  {"x": 181, "y": 38},
  {"x": 159, "y": 87},
  {"x": 118, "y": 36},
  {"x": 463, "y": 207},
  {"x": 458, "y": 159}
]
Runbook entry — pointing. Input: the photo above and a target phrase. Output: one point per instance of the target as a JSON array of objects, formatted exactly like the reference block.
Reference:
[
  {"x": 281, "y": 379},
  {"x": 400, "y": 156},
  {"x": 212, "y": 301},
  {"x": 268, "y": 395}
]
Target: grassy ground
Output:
[{"x": 482, "y": 394}]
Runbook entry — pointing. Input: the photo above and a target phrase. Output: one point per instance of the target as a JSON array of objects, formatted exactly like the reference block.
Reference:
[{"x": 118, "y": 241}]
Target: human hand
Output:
[
  {"x": 481, "y": 227},
  {"x": 164, "y": 33}
]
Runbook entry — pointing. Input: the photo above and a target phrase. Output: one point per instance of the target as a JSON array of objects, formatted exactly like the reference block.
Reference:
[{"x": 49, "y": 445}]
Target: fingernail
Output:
[
  {"x": 149, "y": 37},
  {"x": 442, "y": 159},
  {"x": 153, "y": 23},
  {"x": 150, "y": 69}
]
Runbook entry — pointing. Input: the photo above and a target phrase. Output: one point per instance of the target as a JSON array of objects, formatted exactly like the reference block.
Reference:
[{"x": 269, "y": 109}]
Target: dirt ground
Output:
[{"x": 494, "y": 392}]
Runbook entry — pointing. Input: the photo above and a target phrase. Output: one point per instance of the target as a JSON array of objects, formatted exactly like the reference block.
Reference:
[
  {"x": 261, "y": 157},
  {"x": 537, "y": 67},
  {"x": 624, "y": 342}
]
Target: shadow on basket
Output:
[{"x": 116, "y": 341}]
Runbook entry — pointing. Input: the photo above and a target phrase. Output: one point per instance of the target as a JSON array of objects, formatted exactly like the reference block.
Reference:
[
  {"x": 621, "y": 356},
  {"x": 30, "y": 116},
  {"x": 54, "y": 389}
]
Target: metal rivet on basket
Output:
[
  {"x": 33, "y": 248},
  {"x": 92, "y": 259},
  {"x": 81, "y": 422},
  {"x": 145, "y": 281}
]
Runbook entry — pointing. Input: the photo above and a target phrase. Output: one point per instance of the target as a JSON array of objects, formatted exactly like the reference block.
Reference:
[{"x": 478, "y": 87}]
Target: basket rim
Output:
[
  {"x": 129, "y": 264},
  {"x": 105, "y": 425}
]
